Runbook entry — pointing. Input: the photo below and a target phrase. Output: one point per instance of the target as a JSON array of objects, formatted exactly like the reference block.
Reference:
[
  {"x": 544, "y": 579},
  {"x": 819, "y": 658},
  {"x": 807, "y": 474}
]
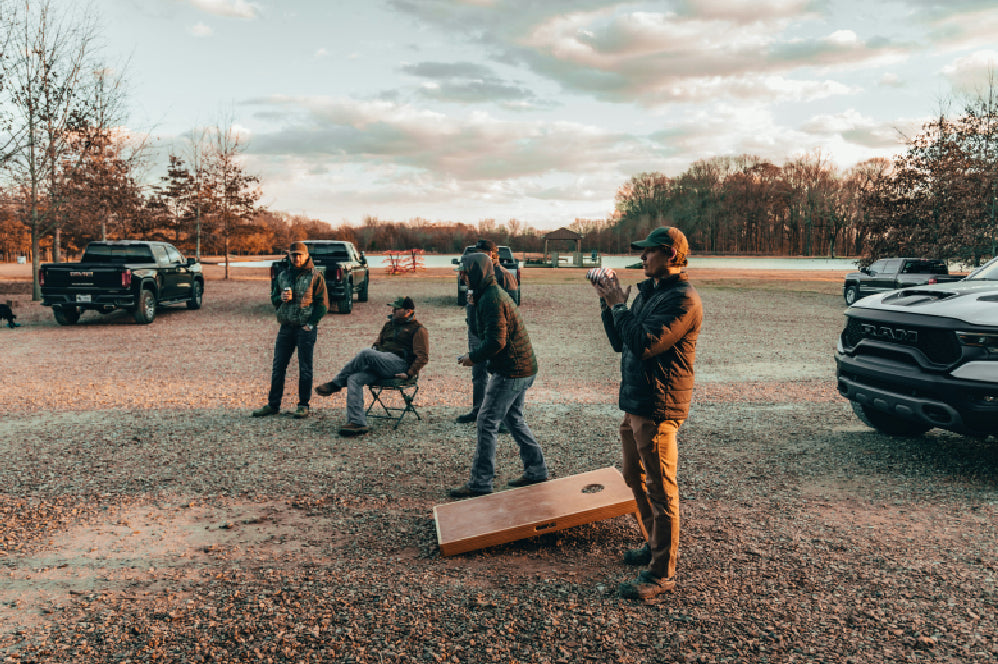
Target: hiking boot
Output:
[
  {"x": 466, "y": 492},
  {"x": 327, "y": 389},
  {"x": 351, "y": 429},
  {"x": 503, "y": 428},
  {"x": 640, "y": 556},
  {"x": 525, "y": 481},
  {"x": 647, "y": 585},
  {"x": 467, "y": 418},
  {"x": 266, "y": 410},
  {"x": 301, "y": 412}
]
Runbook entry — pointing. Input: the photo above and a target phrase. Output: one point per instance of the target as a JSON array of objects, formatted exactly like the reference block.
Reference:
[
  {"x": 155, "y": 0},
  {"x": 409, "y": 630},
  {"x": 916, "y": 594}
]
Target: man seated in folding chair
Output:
[{"x": 399, "y": 352}]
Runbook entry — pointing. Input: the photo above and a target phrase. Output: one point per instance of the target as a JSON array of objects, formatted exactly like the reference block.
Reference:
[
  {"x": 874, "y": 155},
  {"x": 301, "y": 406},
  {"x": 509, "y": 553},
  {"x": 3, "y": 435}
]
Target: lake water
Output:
[{"x": 619, "y": 262}]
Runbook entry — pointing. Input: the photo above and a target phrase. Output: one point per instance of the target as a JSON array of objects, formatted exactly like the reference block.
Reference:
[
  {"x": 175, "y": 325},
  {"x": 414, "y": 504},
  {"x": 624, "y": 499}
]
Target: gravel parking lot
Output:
[{"x": 146, "y": 516}]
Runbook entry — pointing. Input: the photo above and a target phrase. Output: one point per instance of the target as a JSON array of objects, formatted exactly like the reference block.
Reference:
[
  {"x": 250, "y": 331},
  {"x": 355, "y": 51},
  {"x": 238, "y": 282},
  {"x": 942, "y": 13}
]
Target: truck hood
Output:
[{"x": 973, "y": 301}]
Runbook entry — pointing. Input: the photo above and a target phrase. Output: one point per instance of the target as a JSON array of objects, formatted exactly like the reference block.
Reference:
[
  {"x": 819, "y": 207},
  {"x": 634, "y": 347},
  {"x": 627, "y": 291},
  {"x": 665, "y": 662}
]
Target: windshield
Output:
[
  {"x": 987, "y": 273},
  {"x": 329, "y": 251},
  {"x": 107, "y": 253}
]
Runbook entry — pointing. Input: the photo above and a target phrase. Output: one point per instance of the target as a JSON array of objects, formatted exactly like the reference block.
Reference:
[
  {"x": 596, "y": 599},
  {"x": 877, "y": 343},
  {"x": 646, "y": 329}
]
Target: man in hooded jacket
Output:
[
  {"x": 479, "y": 372},
  {"x": 505, "y": 345},
  {"x": 300, "y": 300}
]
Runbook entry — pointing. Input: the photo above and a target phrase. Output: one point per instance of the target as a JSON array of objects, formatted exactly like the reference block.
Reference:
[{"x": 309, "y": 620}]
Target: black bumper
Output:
[
  {"x": 97, "y": 300},
  {"x": 937, "y": 400}
]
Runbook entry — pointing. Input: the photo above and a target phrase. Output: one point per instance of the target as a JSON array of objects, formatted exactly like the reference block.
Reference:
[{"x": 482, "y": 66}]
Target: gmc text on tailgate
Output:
[
  {"x": 125, "y": 274},
  {"x": 924, "y": 357}
]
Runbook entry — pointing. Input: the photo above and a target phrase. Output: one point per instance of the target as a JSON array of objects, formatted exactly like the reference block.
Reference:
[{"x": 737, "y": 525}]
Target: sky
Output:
[{"x": 538, "y": 110}]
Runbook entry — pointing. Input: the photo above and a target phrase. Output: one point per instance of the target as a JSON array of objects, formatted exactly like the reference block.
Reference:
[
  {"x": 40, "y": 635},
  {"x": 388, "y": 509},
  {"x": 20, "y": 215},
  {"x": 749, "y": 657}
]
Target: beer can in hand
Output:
[{"x": 599, "y": 275}]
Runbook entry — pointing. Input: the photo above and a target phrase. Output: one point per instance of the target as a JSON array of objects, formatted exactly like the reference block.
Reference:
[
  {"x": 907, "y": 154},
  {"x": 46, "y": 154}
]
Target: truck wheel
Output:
[
  {"x": 888, "y": 424},
  {"x": 852, "y": 294},
  {"x": 145, "y": 310},
  {"x": 66, "y": 315},
  {"x": 462, "y": 297},
  {"x": 346, "y": 304},
  {"x": 362, "y": 295},
  {"x": 197, "y": 294}
]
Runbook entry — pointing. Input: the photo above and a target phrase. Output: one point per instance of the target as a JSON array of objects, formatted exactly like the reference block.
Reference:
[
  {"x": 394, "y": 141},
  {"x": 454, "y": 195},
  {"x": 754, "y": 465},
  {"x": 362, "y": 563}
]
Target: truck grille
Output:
[{"x": 939, "y": 346}]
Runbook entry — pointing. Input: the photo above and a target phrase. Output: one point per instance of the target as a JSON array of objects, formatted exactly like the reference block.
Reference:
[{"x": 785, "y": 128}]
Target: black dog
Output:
[{"x": 8, "y": 315}]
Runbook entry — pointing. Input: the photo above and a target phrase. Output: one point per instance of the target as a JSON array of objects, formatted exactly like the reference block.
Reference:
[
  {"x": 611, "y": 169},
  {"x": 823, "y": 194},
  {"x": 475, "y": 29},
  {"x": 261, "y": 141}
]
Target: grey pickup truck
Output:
[
  {"x": 889, "y": 274},
  {"x": 126, "y": 274},
  {"x": 924, "y": 357}
]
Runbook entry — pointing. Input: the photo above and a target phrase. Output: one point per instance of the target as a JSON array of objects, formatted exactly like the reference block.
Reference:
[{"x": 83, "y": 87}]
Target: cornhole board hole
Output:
[{"x": 507, "y": 516}]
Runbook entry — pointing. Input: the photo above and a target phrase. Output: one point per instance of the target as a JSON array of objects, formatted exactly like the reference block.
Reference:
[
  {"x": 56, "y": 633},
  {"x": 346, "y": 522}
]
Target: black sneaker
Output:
[
  {"x": 466, "y": 492},
  {"x": 525, "y": 481},
  {"x": 647, "y": 585},
  {"x": 467, "y": 418},
  {"x": 640, "y": 556},
  {"x": 327, "y": 389}
]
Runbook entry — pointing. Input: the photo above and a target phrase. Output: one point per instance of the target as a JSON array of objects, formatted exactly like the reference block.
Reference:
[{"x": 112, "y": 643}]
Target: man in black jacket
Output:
[
  {"x": 505, "y": 346},
  {"x": 479, "y": 373},
  {"x": 657, "y": 341}
]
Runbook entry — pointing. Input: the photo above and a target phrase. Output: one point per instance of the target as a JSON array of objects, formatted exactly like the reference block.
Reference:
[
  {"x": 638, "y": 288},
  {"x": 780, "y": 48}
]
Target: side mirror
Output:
[
  {"x": 191, "y": 261},
  {"x": 455, "y": 261},
  {"x": 864, "y": 270},
  {"x": 363, "y": 258}
]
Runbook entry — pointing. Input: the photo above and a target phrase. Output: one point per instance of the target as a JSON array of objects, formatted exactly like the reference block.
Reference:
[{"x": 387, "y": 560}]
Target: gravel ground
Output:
[{"x": 146, "y": 517}]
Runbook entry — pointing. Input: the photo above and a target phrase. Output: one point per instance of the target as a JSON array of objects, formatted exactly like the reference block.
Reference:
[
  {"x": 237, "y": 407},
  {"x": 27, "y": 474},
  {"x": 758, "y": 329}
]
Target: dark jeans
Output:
[{"x": 288, "y": 338}]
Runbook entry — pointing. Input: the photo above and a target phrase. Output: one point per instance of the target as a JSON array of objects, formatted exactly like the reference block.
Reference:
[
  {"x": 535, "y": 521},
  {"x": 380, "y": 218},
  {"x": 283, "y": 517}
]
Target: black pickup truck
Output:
[
  {"x": 343, "y": 267},
  {"x": 125, "y": 274},
  {"x": 506, "y": 259},
  {"x": 889, "y": 274},
  {"x": 924, "y": 357}
]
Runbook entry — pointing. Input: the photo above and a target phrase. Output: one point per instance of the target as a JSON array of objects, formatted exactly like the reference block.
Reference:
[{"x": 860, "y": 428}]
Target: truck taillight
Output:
[
  {"x": 41, "y": 277},
  {"x": 339, "y": 274},
  {"x": 273, "y": 271},
  {"x": 126, "y": 279},
  {"x": 933, "y": 280}
]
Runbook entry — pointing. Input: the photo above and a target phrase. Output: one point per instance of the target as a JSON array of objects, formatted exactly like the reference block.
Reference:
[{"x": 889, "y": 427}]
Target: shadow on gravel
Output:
[{"x": 938, "y": 455}]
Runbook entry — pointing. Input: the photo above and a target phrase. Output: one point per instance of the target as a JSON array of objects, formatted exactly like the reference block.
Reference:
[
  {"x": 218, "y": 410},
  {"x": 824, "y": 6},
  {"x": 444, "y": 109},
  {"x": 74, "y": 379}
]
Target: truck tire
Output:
[
  {"x": 362, "y": 295},
  {"x": 145, "y": 309},
  {"x": 851, "y": 294},
  {"x": 888, "y": 424},
  {"x": 462, "y": 297},
  {"x": 346, "y": 304},
  {"x": 197, "y": 295},
  {"x": 66, "y": 315}
]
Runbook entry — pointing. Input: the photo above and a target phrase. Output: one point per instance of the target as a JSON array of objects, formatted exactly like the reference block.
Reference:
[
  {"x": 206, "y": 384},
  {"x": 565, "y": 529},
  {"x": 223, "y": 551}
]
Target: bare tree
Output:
[{"x": 43, "y": 69}]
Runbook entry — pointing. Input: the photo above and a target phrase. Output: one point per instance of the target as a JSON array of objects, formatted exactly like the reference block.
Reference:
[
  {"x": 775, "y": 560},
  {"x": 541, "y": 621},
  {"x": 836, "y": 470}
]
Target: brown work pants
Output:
[{"x": 651, "y": 455}]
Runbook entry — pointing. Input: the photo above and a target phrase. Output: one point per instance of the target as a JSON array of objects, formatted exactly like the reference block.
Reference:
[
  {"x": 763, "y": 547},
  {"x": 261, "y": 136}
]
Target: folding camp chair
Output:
[{"x": 406, "y": 388}]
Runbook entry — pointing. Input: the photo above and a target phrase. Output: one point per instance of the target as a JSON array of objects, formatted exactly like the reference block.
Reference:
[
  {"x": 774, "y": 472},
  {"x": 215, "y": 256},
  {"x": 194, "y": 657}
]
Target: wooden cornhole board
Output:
[{"x": 507, "y": 516}]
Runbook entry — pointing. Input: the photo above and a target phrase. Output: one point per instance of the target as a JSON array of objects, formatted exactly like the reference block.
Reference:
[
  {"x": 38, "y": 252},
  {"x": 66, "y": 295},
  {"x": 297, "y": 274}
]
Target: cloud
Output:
[
  {"x": 476, "y": 147},
  {"x": 200, "y": 30},
  {"x": 640, "y": 52},
  {"x": 321, "y": 53},
  {"x": 972, "y": 71},
  {"x": 227, "y": 8},
  {"x": 466, "y": 83}
]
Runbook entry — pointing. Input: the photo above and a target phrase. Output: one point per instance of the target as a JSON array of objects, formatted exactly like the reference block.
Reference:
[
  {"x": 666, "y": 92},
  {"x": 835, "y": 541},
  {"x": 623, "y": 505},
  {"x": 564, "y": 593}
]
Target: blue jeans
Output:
[
  {"x": 288, "y": 338},
  {"x": 479, "y": 376},
  {"x": 503, "y": 402},
  {"x": 367, "y": 366}
]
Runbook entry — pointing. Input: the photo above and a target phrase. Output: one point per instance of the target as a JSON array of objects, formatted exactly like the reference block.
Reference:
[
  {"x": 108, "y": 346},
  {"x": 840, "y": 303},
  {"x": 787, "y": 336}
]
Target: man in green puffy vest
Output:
[{"x": 300, "y": 299}]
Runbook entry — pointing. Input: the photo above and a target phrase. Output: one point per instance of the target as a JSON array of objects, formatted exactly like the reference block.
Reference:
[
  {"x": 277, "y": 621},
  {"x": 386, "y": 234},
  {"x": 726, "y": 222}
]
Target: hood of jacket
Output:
[{"x": 479, "y": 269}]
